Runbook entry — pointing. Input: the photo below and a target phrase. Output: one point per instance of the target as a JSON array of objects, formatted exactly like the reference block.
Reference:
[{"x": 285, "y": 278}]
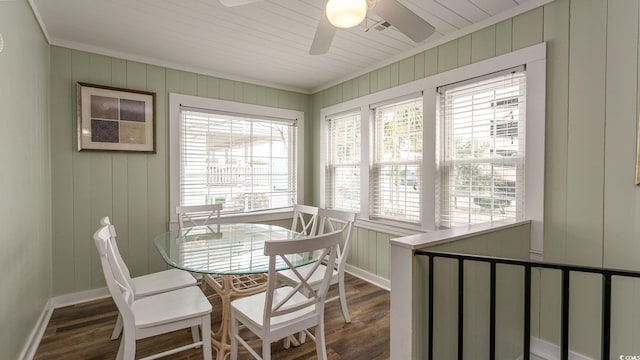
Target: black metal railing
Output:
[{"x": 607, "y": 274}]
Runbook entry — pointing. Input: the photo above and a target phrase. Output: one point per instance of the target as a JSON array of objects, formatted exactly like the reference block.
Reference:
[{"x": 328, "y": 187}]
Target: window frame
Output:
[
  {"x": 533, "y": 58},
  {"x": 178, "y": 100}
]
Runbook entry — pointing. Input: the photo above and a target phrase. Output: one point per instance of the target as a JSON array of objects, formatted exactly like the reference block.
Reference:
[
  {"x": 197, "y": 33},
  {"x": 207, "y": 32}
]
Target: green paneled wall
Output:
[
  {"x": 25, "y": 208},
  {"x": 592, "y": 204},
  {"x": 131, "y": 188}
]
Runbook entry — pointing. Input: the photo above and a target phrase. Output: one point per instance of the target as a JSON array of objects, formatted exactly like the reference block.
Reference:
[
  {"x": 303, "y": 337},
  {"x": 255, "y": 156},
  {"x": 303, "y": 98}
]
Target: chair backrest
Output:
[
  {"x": 121, "y": 291},
  {"x": 333, "y": 220},
  {"x": 105, "y": 221},
  {"x": 328, "y": 244},
  {"x": 197, "y": 215},
  {"x": 305, "y": 219}
]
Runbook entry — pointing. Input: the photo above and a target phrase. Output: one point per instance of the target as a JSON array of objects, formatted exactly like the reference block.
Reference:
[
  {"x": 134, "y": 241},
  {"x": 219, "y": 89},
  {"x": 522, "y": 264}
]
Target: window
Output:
[
  {"x": 437, "y": 156},
  {"x": 483, "y": 149},
  {"x": 343, "y": 162},
  {"x": 242, "y": 155},
  {"x": 397, "y": 159}
]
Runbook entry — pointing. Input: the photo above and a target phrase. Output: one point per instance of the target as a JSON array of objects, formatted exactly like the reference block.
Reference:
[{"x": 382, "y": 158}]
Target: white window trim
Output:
[
  {"x": 534, "y": 58},
  {"x": 175, "y": 100}
]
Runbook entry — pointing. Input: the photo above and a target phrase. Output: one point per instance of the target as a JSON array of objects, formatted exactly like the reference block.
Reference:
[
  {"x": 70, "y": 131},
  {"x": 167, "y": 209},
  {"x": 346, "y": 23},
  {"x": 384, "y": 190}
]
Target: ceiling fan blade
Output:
[
  {"x": 403, "y": 19},
  {"x": 323, "y": 38},
  {"x": 232, "y": 3}
]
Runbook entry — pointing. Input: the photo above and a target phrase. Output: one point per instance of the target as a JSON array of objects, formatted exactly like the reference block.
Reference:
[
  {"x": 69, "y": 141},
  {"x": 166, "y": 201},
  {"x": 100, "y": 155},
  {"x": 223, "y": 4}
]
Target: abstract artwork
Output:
[{"x": 115, "y": 119}]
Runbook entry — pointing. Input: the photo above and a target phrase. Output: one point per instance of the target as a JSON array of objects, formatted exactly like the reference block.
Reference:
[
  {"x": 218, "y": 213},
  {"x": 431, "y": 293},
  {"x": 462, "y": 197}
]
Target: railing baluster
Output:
[
  {"x": 460, "y": 308},
  {"x": 492, "y": 311},
  {"x": 526, "y": 351},
  {"x": 606, "y": 316},
  {"x": 566, "y": 270},
  {"x": 431, "y": 305},
  {"x": 564, "y": 345}
]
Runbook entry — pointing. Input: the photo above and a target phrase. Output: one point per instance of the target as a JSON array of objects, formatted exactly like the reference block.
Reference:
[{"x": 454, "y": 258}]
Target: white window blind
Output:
[
  {"x": 396, "y": 172},
  {"x": 247, "y": 163},
  {"x": 483, "y": 150},
  {"x": 343, "y": 162}
]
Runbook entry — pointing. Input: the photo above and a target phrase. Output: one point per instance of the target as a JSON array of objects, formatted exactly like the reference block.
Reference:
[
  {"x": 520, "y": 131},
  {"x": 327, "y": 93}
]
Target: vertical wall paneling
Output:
[
  {"x": 406, "y": 70},
  {"x": 100, "y": 202},
  {"x": 448, "y": 56},
  {"x": 137, "y": 193},
  {"x": 394, "y": 74},
  {"x": 483, "y": 44},
  {"x": 431, "y": 61},
  {"x": 25, "y": 179},
  {"x": 62, "y": 149},
  {"x": 384, "y": 78},
  {"x": 621, "y": 244},
  {"x": 418, "y": 62},
  {"x": 82, "y": 224},
  {"x": 119, "y": 166},
  {"x": 556, "y": 34},
  {"x": 464, "y": 50},
  {"x": 527, "y": 29},
  {"x": 587, "y": 68},
  {"x": 383, "y": 249},
  {"x": 587, "y": 62},
  {"x": 504, "y": 32},
  {"x": 157, "y": 183}
]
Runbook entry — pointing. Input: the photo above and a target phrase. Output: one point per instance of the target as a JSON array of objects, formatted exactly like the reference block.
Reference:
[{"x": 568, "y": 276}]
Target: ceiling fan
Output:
[{"x": 392, "y": 11}]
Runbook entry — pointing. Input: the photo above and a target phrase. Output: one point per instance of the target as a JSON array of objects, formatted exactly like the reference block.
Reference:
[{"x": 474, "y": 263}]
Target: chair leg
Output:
[
  {"x": 303, "y": 337},
  {"x": 343, "y": 299},
  {"x": 234, "y": 340},
  {"x": 266, "y": 350},
  {"x": 321, "y": 347},
  {"x": 195, "y": 334},
  {"x": 127, "y": 350},
  {"x": 118, "y": 328},
  {"x": 206, "y": 337}
]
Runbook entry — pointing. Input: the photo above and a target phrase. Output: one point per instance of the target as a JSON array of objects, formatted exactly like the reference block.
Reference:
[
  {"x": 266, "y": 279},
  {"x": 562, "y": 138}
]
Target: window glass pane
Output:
[
  {"x": 343, "y": 165},
  {"x": 396, "y": 169},
  {"x": 247, "y": 164},
  {"x": 483, "y": 167}
]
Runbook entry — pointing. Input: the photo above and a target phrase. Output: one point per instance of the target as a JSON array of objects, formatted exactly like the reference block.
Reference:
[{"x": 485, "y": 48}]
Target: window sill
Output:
[
  {"x": 254, "y": 217},
  {"x": 387, "y": 228}
]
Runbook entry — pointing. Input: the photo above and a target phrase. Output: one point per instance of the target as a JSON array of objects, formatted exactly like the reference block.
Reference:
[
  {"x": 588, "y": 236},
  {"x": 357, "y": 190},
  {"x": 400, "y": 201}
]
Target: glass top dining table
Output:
[
  {"x": 231, "y": 249},
  {"x": 231, "y": 258}
]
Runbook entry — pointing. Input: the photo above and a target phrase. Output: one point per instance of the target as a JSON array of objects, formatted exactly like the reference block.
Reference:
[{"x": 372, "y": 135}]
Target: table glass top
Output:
[{"x": 235, "y": 249}]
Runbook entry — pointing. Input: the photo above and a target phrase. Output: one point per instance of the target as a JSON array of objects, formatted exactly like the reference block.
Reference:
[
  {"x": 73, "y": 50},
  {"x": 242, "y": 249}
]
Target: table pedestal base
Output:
[{"x": 229, "y": 287}]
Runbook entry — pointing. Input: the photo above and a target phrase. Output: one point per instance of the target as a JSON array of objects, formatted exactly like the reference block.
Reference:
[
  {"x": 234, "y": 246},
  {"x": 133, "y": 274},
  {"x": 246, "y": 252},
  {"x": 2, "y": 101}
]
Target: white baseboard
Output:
[
  {"x": 544, "y": 350},
  {"x": 79, "y": 297},
  {"x": 31, "y": 346},
  {"x": 33, "y": 341},
  {"x": 368, "y": 277}
]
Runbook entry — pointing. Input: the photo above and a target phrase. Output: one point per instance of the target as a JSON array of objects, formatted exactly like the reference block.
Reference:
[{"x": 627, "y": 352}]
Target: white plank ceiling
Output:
[{"x": 266, "y": 42}]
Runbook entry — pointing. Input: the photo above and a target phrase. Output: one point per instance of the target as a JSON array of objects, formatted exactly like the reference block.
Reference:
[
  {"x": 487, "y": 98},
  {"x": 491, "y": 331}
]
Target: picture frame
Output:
[{"x": 115, "y": 119}]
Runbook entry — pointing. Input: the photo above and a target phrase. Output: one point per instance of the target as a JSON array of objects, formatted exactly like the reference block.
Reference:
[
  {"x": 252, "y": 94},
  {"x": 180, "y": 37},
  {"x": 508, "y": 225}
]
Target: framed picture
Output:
[{"x": 115, "y": 119}]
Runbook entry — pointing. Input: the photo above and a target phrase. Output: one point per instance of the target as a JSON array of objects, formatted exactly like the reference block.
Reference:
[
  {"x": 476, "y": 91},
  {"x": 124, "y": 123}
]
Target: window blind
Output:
[
  {"x": 246, "y": 163},
  {"x": 482, "y": 170},
  {"x": 397, "y": 155},
  {"x": 343, "y": 162}
]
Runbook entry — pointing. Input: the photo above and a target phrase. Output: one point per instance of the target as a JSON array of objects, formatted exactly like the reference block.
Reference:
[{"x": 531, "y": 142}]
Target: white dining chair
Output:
[
  {"x": 283, "y": 311},
  {"x": 155, "y": 314},
  {"x": 199, "y": 215},
  {"x": 145, "y": 285},
  {"x": 304, "y": 219},
  {"x": 330, "y": 220}
]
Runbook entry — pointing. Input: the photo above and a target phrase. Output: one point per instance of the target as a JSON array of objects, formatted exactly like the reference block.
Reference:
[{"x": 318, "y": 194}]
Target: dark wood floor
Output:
[{"x": 82, "y": 331}]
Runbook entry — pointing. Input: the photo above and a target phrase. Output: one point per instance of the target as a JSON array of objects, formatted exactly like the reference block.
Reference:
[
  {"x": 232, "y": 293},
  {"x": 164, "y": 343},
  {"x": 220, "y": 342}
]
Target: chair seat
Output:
[
  {"x": 170, "y": 306},
  {"x": 252, "y": 308},
  {"x": 162, "y": 281},
  {"x": 314, "y": 280}
]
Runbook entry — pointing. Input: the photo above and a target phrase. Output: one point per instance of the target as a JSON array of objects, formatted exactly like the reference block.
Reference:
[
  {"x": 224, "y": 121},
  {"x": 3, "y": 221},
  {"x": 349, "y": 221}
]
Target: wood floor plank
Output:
[{"x": 82, "y": 331}]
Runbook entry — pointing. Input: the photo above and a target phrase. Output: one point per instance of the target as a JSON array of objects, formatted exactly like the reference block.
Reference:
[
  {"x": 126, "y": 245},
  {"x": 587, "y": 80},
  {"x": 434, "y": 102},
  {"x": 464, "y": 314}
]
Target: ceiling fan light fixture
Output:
[{"x": 346, "y": 13}]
